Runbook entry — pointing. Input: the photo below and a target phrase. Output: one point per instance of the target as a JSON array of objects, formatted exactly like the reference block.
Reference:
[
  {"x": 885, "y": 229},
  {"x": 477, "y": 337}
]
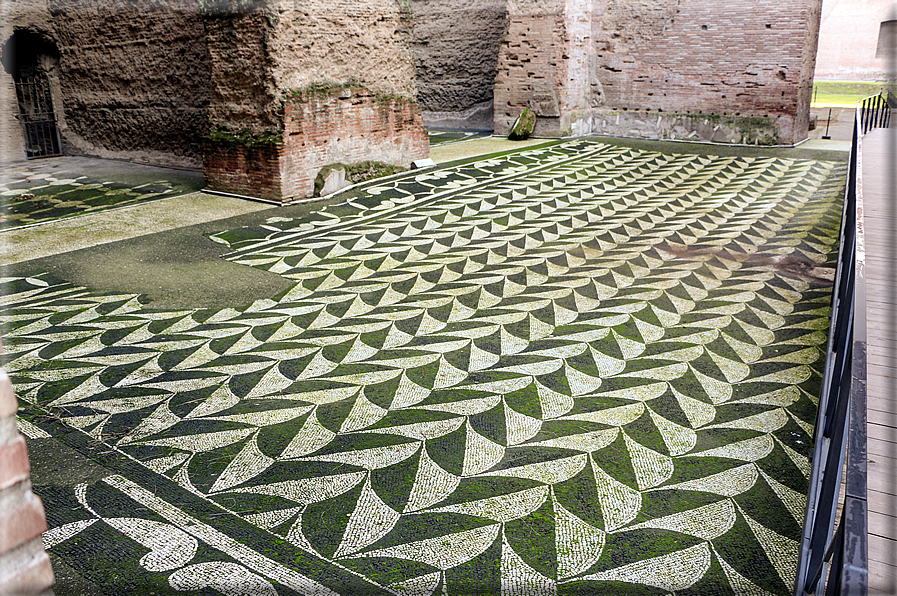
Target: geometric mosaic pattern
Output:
[
  {"x": 584, "y": 369},
  {"x": 41, "y": 193},
  {"x": 444, "y": 137}
]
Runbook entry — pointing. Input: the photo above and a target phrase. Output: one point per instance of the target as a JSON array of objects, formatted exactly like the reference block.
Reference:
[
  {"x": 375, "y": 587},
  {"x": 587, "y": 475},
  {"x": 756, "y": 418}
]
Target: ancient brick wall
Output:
[
  {"x": 540, "y": 61},
  {"x": 321, "y": 127},
  {"x": 455, "y": 49},
  {"x": 252, "y": 171},
  {"x": 740, "y": 58},
  {"x": 25, "y": 568},
  {"x": 348, "y": 126},
  {"x": 298, "y": 86}
]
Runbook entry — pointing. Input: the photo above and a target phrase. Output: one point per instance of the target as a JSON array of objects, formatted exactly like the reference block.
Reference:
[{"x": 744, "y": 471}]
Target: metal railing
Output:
[
  {"x": 837, "y": 562},
  {"x": 875, "y": 111}
]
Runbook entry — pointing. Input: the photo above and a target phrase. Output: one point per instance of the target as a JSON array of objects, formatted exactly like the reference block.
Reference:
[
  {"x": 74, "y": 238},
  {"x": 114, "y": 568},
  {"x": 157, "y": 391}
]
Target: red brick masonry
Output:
[
  {"x": 586, "y": 67},
  {"x": 24, "y": 565},
  {"x": 320, "y": 127}
]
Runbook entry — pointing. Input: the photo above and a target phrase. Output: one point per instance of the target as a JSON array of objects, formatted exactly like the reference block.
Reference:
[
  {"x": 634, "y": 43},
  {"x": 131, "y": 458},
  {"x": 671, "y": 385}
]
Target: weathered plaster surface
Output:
[
  {"x": 850, "y": 45},
  {"x": 455, "y": 49},
  {"x": 132, "y": 81}
]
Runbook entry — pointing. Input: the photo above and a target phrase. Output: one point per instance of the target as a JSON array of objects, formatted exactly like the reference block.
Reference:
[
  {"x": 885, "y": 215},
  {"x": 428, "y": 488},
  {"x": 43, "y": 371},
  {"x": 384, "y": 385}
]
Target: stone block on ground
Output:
[
  {"x": 422, "y": 163},
  {"x": 330, "y": 179},
  {"x": 523, "y": 125}
]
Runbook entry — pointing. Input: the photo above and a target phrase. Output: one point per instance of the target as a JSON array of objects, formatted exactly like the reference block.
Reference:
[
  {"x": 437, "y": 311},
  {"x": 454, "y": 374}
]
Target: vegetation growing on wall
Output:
[
  {"x": 222, "y": 135},
  {"x": 326, "y": 88}
]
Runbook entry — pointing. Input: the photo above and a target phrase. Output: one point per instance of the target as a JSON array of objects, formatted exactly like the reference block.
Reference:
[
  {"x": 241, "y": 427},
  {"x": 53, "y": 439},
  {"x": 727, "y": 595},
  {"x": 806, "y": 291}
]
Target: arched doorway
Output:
[{"x": 31, "y": 60}]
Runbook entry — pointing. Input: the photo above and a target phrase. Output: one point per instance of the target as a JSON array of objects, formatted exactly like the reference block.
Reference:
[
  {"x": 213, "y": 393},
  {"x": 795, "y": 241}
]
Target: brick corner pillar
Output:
[
  {"x": 25, "y": 568},
  {"x": 347, "y": 125},
  {"x": 300, "y": 86},
  {"x": 543, "y": 64}
]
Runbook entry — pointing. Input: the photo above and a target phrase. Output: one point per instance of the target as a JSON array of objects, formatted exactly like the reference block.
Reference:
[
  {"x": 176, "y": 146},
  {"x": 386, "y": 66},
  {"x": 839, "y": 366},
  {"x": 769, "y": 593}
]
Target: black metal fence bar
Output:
[
  {"x": 875, "y": 112},
  {"x": 836, "y": 562},
  {"x": 828, "y": 441},
  {"x": 849, "y": 572}
]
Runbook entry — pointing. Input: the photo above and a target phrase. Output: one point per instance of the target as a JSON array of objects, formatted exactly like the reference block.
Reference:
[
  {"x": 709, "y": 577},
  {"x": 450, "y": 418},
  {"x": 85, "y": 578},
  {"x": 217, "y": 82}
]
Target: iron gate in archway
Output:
[{"x": 36, "y": 115}]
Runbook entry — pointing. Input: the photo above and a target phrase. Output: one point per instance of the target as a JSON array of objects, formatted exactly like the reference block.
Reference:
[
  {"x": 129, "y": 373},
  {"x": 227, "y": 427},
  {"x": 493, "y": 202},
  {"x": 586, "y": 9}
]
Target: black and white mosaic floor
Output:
[
  {"x": 444, "y": 137},
  {"x": 585, "y": 369},
  {"x": 43, "y": 190}
]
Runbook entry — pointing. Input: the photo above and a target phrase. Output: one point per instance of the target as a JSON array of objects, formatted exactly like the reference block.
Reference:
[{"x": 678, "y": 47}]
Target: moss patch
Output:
[
  {"x": 222, "y": 135},
  {"x": 523, "y": 125}
]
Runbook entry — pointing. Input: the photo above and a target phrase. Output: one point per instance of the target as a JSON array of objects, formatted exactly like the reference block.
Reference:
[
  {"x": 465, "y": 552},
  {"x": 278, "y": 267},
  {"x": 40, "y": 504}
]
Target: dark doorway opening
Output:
[
  {"x": 29, "y": 58},
  {"x": 887, "y": 39}
]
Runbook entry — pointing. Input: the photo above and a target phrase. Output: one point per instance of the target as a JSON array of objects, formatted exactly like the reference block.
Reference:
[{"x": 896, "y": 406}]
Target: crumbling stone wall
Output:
[
  {"x": 334, "y": 42},
  {"x": 244, "y": 92},
  {"x": 300, "y": 86},
  {"x": 133, "y": 77},
  {"x": 262, "y": 51},
  {"x": 534, "y": 64},
  {"x": 135, "y": 80},
  {"x": 455, "y": 50},
  {"x": 585, "y": 67}
]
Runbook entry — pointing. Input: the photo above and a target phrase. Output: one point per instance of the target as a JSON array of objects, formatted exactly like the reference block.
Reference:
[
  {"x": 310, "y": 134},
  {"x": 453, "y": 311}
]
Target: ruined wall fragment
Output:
[
  {"x": 455, "y": 49},
  {"x": 532, "y": 64},
  {"x": 25, "y": 568},
  {"x": 344, "y": 125},
  {"x": 335, "y": 42},
  {"x": 298, "y": 86},
  {"x": 668, "y": 60},
  {"x": 244, "y": 94},
  {"x": 134, "y": 78}
]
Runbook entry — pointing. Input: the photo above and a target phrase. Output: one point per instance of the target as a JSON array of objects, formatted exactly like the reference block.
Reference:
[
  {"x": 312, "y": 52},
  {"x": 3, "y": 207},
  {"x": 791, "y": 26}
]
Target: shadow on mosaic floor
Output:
[{"x": 54, "y": 188}]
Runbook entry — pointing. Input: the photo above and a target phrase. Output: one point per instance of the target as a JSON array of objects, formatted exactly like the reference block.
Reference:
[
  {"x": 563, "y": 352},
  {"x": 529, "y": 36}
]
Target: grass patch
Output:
[
  {"x": 845, "y": 93},
  {"x": 221, "y": 135}
]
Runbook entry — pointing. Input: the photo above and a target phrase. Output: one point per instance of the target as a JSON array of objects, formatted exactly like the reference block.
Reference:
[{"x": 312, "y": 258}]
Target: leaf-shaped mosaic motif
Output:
[{"x": 485, "y": 377}]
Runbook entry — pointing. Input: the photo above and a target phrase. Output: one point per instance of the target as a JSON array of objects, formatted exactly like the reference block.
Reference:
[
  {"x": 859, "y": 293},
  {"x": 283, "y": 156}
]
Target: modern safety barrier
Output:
[
  {"x": 836, "y": 562},
  {"x": 875, "y": 111}
]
